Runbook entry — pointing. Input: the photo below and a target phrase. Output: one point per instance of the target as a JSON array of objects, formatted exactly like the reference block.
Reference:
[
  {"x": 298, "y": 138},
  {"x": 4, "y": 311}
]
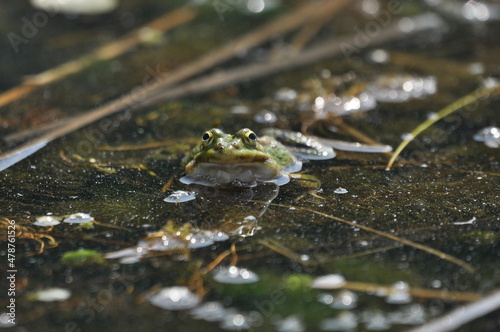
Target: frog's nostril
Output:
[
  {"x": 236, "y": 145},
  {"x": 218, "y": 146}
]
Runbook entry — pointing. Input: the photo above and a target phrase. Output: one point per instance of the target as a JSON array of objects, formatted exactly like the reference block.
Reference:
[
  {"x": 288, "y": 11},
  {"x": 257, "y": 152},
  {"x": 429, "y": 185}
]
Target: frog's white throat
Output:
[{"x": 242, "y": 174}]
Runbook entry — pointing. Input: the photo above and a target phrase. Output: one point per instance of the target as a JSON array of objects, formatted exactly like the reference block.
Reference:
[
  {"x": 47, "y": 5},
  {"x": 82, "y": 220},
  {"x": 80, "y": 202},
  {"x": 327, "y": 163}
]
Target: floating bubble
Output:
[
  {"x": 409, "y": 315},
  {"x": 6, "y": 320},
  {"x": 217, "y": 236},
  {"x": 330, "y": 281},
  {"x": 46, "y": 221},
  {"x": 256, "y": 6},
  {"x": 407, "y": 137},
  {"x": 290, "y": 324},
  {"x": 127, "y": 252},
  {"x": 265, "y": 117},
  {"x": 78, "y": 218},
  {"x": 235, "y": 275},
  {"x": 75, "y": 7},
  {"x": 52, "y": 294},
  {"x": 347, "y": 104},
  {"x": 285, "y": 94},
  {"x": 325, "y": 298},
  {"x": 476, "y": 11},
  {"x": 175, "y": 298},
  {"x": 355, "y": 146},
  {"x": 340, "y": 190},
  {"x": 399, "y": 293},
  {"x": 130, "y": 260},
  {"x": 180, "y": 196},
  {"x": 402, "y": 87},
  {"x": 476, "y": 68},
  {"x": 209, "y": 311},
  {"x": 163, "y": 243},
  {"x": 379, "y": 56},
  {"x": 490, "y": 136},
  {"x": 344, "y": 300},
  {"x": 199, "y": 240},
  {"x": 240, "y": 109},
  {"x": 375, "y": 321},
  {"x": 343, "y": 322},
  {"x": 237, "y": 321}
]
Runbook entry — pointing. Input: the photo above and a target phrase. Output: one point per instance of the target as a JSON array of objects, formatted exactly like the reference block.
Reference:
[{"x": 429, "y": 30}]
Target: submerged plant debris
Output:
[{"x": 100, "y": 233}]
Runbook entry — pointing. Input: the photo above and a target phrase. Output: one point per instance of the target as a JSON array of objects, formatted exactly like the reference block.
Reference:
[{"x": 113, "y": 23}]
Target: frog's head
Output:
[{"x": 225, "y": 159}]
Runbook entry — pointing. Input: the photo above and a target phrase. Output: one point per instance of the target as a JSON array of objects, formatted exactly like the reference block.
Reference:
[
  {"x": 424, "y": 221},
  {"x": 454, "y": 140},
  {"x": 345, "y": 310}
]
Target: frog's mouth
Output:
[{"x": 235, "y": 173}]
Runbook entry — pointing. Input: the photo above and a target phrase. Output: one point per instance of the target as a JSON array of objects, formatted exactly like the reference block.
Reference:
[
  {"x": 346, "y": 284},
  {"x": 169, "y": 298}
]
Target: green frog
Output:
[{"x": 242, "y": 159}]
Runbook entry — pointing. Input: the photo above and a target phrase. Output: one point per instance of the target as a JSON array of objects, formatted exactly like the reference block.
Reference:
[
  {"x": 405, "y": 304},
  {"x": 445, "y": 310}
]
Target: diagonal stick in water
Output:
[{"x": 422, "y": 247}]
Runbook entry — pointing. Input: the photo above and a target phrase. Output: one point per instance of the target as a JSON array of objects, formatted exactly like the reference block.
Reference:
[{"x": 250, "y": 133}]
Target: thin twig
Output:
[
  {"x": 422, "y": 247},
  {"x": 280, "y": 249},
  {"x": 416, "y": 292}
]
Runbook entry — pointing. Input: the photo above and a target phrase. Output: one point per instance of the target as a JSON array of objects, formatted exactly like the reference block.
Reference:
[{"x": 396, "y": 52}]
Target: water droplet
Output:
[
  {"x": 340, "y": 190},
  {"x": 235, "y": 275},
  {"x": 6, "y": 320},
  {"x": 490, "y": 136},
  {"x": 379, "y": 56},
  {"x": 285, "y": 94},
  {"x": 46, "y": 221},
  {"x": 209, "y": 311},
  {"x": 266, "y": 117},
  {"x": 235, "y": 322},
  {"x": 78, "y": 218},
  {"x": 240, "y": 109},
  {"x": 53, "y": 294},
  {"x": 290, "y": 324},
  {"x": 330, "y": 281},
  {"x": 343, "y": 322},
  {"x": 180, "y": 196},
  {"x": 375, "y": 321},
  {"x": 400, "y": 88},
  {"x": 344, "y": 300},
  {"x": 399, "y": 293},
  {"x": 175, "y": 298}
]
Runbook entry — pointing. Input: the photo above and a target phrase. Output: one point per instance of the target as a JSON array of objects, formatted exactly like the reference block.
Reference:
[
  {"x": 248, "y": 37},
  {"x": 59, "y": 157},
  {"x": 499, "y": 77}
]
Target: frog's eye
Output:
[
  {"x": 207, "y": 136},
  {"x": 251, "y": 136}
]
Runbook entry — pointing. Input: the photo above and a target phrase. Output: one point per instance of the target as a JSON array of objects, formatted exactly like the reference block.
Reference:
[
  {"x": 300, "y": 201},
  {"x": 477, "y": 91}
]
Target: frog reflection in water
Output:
[{"x": 242, "y": 159}]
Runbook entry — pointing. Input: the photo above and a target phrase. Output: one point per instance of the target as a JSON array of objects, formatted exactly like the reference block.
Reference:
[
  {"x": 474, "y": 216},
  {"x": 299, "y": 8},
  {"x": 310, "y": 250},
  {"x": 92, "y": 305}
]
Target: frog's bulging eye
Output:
[
  {"x": 207, "y": 136},
  {"x": 251, "y": 136}
]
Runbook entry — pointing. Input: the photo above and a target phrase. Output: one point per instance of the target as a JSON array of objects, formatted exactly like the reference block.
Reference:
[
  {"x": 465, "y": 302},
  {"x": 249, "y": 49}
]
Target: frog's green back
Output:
[{"x": 277, "y": 150}]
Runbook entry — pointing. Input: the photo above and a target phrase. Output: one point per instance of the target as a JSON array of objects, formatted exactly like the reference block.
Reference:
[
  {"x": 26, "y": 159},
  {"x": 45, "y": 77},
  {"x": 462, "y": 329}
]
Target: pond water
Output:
[{"x": 346, "y": 245}]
